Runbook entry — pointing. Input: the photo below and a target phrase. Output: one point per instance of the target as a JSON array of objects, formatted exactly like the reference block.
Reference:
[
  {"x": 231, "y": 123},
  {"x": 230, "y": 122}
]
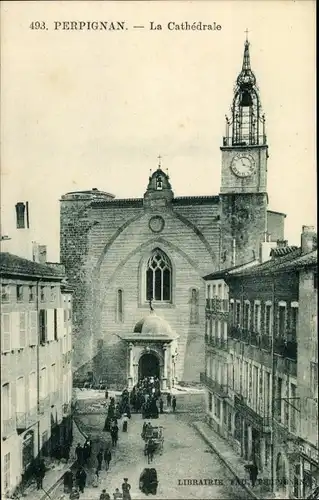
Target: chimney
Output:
[
  {"x": 308, "y": 239},
  {"x": 42, "y": 254}
]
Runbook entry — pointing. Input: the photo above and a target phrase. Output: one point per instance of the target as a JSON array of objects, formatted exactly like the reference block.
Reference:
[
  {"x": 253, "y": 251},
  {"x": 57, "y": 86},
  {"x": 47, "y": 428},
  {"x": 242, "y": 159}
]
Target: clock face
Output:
[{"x": 243, "y": 165}]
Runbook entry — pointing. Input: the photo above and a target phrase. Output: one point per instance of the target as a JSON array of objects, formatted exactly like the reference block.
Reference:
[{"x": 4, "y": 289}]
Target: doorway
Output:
[{"x": 148, "y": 366}]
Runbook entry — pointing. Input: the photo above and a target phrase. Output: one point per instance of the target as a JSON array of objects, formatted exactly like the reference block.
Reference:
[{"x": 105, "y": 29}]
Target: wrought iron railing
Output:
[
  {"x": 220, "y": 389},
  {"x": 221, "y": 343},
  {"x": 245, "y": 140},
  {"x": 287, "y": 349},
  {"x": 284, "y": 348},
  {"x": 262, "y": 420},
  {"x": 26, "y": 419},
  {"x": 216, "y": 304}
]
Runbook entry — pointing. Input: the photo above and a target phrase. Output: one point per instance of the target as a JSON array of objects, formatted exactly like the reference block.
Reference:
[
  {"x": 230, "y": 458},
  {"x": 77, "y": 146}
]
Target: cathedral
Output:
[{"x": 136, "y": 265}]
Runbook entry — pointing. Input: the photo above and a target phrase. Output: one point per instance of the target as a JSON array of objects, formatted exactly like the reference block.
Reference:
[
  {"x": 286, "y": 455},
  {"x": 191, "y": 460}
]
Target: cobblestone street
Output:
[{"x": 185, "y": 456}]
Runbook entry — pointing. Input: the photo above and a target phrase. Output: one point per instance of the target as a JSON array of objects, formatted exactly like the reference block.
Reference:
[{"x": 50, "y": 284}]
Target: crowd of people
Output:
[{"x": 146, "y": 398}]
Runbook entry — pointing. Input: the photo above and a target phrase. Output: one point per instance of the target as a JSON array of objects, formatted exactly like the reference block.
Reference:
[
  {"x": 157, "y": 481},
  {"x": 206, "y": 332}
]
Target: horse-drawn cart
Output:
[{"x": 154, "y": 440}]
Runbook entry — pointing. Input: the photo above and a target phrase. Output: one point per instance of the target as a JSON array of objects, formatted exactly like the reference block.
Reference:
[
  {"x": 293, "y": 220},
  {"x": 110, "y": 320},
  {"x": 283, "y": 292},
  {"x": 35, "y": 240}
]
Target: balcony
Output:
[
  {"x": 285, "y": 349},
  {"x": 44, "y": 405},
  {"x": 220, "y": 343},
  {"x": 266, "y": 342},
  {"x": 263, "y": 422},
  {"x": 217, "y": 305},
  {"x": 245, "y": 140},
  {"x": 219, "y": 389},
  {"x": 26, "y": 419},
  {"x": 8, "y": 427}
]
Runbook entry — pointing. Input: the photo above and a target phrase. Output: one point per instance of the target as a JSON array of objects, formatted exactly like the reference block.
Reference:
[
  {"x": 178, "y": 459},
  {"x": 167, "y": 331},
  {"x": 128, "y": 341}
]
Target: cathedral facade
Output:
[{"x": 136, "y": 265}]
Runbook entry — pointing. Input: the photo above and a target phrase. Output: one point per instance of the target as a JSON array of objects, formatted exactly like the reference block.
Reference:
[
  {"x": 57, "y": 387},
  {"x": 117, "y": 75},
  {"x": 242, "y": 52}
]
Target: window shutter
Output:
[
  {"x": 22, "y": 329},
  {"x": 60, "y": 322},
  {"x": 15, "y": 330},
  {"x": 5, "y": 332},
  {"x": 33, "y": 327},
  {"x": 50, "y": 324}
]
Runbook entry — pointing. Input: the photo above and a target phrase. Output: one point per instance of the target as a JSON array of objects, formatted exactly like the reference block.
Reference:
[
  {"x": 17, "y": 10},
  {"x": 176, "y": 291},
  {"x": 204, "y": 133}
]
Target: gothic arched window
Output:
[
  {"x": 159, "y": 277},
  {"x": 119, "y": 306}
]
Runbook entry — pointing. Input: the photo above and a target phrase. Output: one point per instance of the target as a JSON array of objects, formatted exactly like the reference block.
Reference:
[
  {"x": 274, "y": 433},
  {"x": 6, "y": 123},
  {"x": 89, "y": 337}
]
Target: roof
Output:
[
  {"x": 139, "y": 202},
  {"x": 229, "y": 270},
  {"x": 17, "y": 266},
  {"x": 153, "y": 325},
  {"x": 291, "y": 262}
]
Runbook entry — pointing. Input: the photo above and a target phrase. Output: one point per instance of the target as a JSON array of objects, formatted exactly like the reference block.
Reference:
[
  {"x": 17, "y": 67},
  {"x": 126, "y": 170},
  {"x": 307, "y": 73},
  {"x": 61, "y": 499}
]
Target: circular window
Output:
[{"x": 156, "y": 224}]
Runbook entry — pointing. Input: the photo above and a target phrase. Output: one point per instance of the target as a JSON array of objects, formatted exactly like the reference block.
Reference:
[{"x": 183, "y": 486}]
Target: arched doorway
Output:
[{"x": 148, "y": 366}]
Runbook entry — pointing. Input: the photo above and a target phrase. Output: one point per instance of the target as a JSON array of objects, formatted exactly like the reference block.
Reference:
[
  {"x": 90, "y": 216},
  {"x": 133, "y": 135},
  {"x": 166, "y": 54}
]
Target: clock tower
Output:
[{"x": 243, "y": 193}]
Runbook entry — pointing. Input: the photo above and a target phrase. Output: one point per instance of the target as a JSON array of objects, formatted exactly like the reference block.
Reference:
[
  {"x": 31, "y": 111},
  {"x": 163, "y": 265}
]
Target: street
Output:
[{"x": 185, "y": 457}]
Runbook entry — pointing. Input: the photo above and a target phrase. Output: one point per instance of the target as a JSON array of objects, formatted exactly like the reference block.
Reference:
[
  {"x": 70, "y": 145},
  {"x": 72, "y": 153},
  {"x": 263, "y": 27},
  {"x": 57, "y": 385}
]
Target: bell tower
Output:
[{"x": 243, "y": 192}]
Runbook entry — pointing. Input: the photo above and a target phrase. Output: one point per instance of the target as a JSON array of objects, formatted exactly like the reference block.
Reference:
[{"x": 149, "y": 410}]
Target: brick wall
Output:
[{"x": 103, "y": 249}]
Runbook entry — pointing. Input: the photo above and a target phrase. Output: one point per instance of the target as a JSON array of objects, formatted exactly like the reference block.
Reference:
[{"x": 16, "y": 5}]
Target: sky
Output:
[{"x": 84, "y": 109}]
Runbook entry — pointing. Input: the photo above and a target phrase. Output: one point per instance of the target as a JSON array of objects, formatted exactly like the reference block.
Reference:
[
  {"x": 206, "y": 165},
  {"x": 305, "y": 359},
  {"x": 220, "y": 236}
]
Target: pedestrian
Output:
[
  {"x": 161, "y": 405},
  {"x": 106, "y": 394},
  {"x": 40, "y": 473},
  {"x": 117, "y": 495},
  {"x": 107, "y": 424},
  {"x": 174, "y": 403},
  {"x": 104, "y": 496},
  {"x": 253, "y": 473},
  {"x": 125, "y": 422},
  {"x": 68, "y": 481},
  {"x": 99, "y": 457},
  {"x": 114, "y": 434},
  {"x": 79, "y": 453},
  {"x": 74, "y": 495},
  {"x": 82, "y": 480},
  {"x": 88, "y": 443},
  {"x": 107, "y": 458},
  {"x": 169, "y": 400},
  {"x": 126, "y": 489},
  {"x": 86, "y": 452}
]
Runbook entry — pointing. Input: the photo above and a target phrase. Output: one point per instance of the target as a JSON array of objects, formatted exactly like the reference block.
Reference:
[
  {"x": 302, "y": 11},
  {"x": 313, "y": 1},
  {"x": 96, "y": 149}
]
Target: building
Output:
[
  {"x": 261, "y": 370},
  {"x": 36, "y": 369},
  {"x": 120, "y": 254}
]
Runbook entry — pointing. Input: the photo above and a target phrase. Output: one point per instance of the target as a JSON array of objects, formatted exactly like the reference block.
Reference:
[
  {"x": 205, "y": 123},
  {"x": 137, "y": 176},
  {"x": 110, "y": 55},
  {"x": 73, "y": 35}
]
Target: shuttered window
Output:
[
  {"x": 23, "y": 329},
  {"x": 33, "y": 328},
  {"x": 43, "y": 325},
  {"x": 60, "y": 323},
  {"x": 50, "y": 324},
  {"x": 15, "y": 330},
  {"x": 5, "y": 332}
]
